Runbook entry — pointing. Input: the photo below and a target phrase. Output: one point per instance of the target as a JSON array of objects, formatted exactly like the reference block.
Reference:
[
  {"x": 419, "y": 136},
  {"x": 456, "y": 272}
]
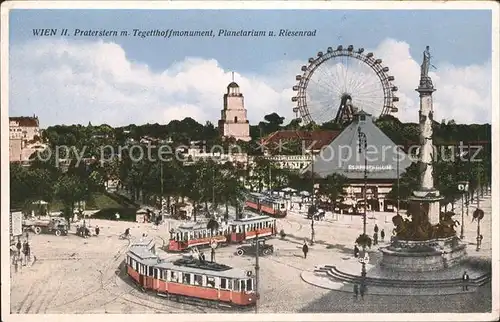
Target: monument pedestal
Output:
[
  {"x": 423, "y": 256},
  {"x": 429, "y": 198}
]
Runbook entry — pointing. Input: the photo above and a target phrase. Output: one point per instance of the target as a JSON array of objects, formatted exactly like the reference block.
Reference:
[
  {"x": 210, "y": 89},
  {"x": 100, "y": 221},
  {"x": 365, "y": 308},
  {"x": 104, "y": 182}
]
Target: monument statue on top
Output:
[
  {"x": 424, "y": 68},
  {"x": 425, "y": 80}
]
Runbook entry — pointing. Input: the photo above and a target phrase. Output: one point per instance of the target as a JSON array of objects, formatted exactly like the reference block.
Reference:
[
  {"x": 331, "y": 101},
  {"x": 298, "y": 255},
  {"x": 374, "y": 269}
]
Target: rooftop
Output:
[
  {"x": 317, "y": 138},
  {"x": 25, "y": 121}
]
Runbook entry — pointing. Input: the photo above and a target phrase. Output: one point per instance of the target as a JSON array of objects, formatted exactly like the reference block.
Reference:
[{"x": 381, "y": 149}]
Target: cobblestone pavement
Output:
[{"x": 76, "y": 275}]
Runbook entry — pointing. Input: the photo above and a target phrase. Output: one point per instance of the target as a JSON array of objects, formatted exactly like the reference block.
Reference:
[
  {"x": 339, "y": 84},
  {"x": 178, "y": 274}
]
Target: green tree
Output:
[
  {"x": 332, "y": 187},
  {"x": 69, "y": 190}
]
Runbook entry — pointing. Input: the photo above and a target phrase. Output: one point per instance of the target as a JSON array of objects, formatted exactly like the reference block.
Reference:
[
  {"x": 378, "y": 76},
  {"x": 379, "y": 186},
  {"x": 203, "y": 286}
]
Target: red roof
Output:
[
  {"x": 25, "y": 121},
  {"x": 318, "y": 138}
]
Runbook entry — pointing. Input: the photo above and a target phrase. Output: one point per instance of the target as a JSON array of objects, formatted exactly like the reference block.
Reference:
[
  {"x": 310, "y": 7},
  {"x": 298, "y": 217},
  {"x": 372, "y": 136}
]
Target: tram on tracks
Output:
[
  {"x": 236, "y": 231},
  {"x": 266, "y": 204},
  {"x": 188, "y": 279}
]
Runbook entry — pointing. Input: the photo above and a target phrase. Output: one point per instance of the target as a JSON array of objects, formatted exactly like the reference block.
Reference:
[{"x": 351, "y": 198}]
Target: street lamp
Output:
[
  {"x": 312, "y": 209},
  {"x": 478, "y": 214},
  {"x": 463, "y": 186},
  {"x": 362, "y": 146},
  {"x": 257, "y": 267}
]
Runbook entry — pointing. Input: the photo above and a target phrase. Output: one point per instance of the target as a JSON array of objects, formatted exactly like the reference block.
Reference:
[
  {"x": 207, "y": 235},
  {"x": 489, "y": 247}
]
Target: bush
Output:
[{"x": 364, "y": 240}]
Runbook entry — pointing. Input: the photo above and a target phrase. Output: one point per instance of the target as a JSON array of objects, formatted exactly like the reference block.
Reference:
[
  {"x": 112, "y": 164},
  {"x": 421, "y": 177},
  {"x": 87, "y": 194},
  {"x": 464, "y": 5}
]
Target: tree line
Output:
[{"x": 207, "y": 181}]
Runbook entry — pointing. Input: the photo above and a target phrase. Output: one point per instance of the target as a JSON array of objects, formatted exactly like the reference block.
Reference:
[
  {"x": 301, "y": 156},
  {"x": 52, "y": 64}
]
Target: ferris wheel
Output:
[{"x": 338, "y": 83}]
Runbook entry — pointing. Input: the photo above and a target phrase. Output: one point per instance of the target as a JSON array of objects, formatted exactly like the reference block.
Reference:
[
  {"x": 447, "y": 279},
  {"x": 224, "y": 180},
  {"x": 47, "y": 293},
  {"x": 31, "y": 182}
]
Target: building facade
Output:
[
  {"x": 24, "y": 128},
  {"x": 24, "y": 138},
  {"x": 234, "y": 122}
]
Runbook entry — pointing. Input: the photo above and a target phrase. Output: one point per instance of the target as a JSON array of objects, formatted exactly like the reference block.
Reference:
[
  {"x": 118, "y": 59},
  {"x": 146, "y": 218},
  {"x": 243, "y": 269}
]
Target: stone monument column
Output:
[{"x": 426, "y": 193}]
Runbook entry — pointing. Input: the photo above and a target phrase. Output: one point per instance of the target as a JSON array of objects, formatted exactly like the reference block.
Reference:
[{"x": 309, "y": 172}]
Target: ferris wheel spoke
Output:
[
  {"x": 371, "y": 91},
  {"x": 335, "y": 78},
  {"x": 372, "y": 82},
  {"x": 323, "y": 89},
  {"x": 325, "y": 113},
  {"x": 367, "y": 104},
  {"x": 350, "y": 74},
  {"x": 322, "y": 106},
  {"x": 360, "y": 79},
  {"x": 364, "y": 81},
  {"x": 328, "y": 78}
]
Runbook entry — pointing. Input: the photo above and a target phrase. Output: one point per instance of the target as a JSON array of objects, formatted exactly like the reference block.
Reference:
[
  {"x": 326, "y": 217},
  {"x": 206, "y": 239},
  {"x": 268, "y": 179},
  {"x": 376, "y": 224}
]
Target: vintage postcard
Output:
[{"x": 256, "y": 161}]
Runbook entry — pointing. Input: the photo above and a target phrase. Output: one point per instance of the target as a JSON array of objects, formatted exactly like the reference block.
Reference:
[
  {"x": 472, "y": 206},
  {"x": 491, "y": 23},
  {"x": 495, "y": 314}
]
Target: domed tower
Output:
[{"x": 234, "y": 122}]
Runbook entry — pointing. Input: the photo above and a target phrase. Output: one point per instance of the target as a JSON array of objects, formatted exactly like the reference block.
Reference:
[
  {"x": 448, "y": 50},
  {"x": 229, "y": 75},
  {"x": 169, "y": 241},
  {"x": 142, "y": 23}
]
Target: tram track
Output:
[
  {"x": 145, "y": 299},
  {"x": 102, "y": 283},
  {"x": 40, "y": 290}
]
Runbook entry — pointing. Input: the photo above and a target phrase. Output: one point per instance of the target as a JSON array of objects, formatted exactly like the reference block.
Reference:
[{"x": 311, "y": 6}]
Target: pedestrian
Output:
[
  {"x": 382, "y": 234},
  {"x": 362, "y": 290},
  {"x": 25, "y": 252},
  {"x": 97, "y": 230},
  {"x": 202, "y": 257},
  {"x": 375, "y": 229},
  {"x": 375, "y": 239},
  {"x": 305, "y": 249},
  {"x": 19, "y": 246},
  {"x": 465, "y": 282},
  {"x": 356, "y": 291},
  {"x": 356, "y": 251}
]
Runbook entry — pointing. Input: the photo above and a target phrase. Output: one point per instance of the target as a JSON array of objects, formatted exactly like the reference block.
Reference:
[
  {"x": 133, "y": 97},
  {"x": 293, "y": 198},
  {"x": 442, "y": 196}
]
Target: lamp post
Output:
[
  {"x": 362, "y": 146},
  {"x": 397, "y": 170},
  {"x": 463, "y": 186},
  {"x": 257, "y": 295},
  {"x": 313, "y": 200},
  {"x": 479, "y": 217},
  {"x": 161, "y": 186}
]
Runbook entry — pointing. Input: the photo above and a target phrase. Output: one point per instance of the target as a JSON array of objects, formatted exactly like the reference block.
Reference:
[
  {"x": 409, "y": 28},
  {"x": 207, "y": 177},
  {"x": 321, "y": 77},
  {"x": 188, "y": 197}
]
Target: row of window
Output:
[
  {"x": 238, "y": 285},
  {"x": 198, "y": 234}
]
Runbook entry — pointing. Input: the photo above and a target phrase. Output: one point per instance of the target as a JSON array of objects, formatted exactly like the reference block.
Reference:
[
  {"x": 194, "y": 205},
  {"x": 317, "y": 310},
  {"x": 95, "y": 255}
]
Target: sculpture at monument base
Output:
[{"x": 417, "y": 227}]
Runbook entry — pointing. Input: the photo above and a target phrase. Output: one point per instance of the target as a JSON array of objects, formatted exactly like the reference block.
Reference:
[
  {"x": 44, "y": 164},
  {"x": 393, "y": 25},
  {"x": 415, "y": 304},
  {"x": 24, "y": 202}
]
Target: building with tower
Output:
[{"x": 234, "y": 122}]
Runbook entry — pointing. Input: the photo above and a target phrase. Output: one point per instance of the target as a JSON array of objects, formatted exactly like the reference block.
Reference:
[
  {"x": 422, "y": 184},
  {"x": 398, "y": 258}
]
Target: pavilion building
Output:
[{"x": 385, "y": 162}]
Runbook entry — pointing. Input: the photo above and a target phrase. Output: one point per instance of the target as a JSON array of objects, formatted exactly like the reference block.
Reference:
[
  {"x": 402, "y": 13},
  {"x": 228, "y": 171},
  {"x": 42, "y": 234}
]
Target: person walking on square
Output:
[
  {"x": 375, "y": 229},
  {"x": 305, "y": 249},
  {"x": 375, "y": 239},
  {"x": 382, "y": 235},
  {"x": 355, "y": 287},
  {"x": 19, "y": 246},
  {"x": 356, "y": 251},
  {"x": 465, "y": 282},
  {"x": 362, "y": 290}
]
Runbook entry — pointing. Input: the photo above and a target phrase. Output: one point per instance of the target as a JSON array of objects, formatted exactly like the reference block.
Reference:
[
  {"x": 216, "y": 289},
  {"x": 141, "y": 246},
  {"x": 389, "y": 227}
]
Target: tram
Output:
[
  {"x": 266, "y": 204},
  {"x": 197, "y": 235},
  {"x": 189, "y": 279}
]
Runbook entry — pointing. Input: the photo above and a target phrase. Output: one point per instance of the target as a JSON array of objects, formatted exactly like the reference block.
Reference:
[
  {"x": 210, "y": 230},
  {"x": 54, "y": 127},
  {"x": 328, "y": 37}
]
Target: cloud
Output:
[{"x": 66, "y": 82}]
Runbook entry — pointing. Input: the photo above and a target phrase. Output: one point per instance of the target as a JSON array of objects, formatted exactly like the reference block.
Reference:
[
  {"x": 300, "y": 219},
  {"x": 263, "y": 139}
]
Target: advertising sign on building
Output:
[{"x": 16, "y": 223}]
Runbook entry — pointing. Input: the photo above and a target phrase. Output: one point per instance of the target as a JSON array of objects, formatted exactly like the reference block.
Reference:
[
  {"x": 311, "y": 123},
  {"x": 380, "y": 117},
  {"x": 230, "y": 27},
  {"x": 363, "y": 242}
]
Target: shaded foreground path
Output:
[{"x": 340, "y": 302}]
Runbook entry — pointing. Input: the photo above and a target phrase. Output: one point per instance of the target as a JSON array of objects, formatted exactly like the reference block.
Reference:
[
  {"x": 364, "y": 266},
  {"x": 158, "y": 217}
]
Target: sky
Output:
[{"x": 125, "y": 79}]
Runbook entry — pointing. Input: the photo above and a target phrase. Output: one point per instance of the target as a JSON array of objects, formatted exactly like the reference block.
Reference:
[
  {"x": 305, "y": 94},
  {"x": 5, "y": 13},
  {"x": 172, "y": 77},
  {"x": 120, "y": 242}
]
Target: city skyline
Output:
[{"x": 124, "y": 80}]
